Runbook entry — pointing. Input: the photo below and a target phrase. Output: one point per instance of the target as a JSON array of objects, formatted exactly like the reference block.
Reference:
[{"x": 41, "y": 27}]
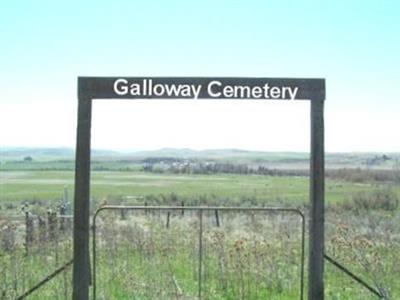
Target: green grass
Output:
[
  {"x": 144, "y": 259},
  {"x": 16, "y": 186},
  {"x": 135, "y": 266}
]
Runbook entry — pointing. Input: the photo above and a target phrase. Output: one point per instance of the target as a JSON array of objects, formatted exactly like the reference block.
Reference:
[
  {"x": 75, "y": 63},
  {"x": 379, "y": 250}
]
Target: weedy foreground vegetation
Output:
[{"x": 155, "y": 255}]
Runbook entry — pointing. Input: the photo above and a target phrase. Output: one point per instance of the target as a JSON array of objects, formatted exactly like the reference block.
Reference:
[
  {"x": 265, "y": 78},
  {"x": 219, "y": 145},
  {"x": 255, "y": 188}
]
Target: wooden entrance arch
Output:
[{"x": 195, "y": 89}]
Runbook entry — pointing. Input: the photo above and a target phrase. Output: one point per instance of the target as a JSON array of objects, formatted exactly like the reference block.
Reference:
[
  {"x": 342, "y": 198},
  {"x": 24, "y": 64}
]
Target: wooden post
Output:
[
  {"x": 42, "y": 230},
  {"x": 61, "y": 216},
  {"x": 52, "y": 225},
  {"x": 81, "y": 270},
  {"x": 122, "y": 214},
  {"x": 317, "y": 188},
  {"x": 168, "y": 217},
  {"x": 29, "y": 231},
  {"x": 217, "y": 218},
  {"x": 66, "y": 202}
]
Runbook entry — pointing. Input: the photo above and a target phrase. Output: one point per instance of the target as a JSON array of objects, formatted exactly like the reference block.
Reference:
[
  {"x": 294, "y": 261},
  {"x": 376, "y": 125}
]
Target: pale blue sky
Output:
[{"x": 355, "y": 45}]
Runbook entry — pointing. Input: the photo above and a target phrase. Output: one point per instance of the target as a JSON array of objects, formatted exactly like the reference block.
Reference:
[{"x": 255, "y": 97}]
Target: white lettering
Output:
[
  {"x": 275, "y": 92},
  {"x": 196, "y": 91},
  {"x": 256, "y": 92},
  {"x": 172, "y": 90},
  {"x": 293, "y": 93},
  {"x": 210, "y": 91},
  {"x": 135, "y": 89},
  {"x": 215, "y": 89},
  {"x": 158, "y": 89},
  {"x": 228, "y": 91},
  {"x": 244, "y": 91},
  {"x": 120, "y": 87},
  {"x": 266, "y": 88},
  {"x": 185, "y": 90}
]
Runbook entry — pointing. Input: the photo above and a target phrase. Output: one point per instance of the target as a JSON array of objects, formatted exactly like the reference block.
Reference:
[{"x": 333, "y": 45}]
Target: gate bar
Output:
[{"x": 353, "y": 276}]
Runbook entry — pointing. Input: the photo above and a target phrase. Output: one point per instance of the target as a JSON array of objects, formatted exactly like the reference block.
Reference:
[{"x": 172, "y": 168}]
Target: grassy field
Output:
[
  {"x": 245, "y": 258},
  {"x": 19, "y": 186}
]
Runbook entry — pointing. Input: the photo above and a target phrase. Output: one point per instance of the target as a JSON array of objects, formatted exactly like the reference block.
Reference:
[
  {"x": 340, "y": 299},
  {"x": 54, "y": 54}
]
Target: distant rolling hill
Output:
[
  {"x": 18, "y": 153},
  {"x": 283, "y": 159}
]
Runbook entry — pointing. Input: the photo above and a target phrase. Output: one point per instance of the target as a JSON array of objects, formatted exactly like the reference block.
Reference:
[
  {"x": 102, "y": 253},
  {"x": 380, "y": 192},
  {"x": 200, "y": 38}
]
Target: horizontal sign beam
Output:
[{"x": 200, "y": 88}]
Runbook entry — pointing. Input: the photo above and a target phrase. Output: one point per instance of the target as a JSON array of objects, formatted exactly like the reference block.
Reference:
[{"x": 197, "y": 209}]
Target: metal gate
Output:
[{"x": 200, "y": 211}]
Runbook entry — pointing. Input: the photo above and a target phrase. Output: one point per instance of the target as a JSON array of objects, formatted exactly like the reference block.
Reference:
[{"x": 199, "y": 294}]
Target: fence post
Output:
[
  {"x": 200, "y": 251},
  {"x": 62, "y": 216},
  {"x": 28, "y": 231},
  {"x": 42, "y": 230},
  {"x": 168, "y": 216},
  {"x": 123, "y": 214},
  {"x": 66, "y": 199},
  {"x": 52, "y": 222},
  {"x": 217, "y": 217}
]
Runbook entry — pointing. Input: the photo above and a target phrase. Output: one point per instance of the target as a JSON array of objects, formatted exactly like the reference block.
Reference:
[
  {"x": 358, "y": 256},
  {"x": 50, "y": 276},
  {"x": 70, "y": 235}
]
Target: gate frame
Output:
[{"x": 90, "y": 88}]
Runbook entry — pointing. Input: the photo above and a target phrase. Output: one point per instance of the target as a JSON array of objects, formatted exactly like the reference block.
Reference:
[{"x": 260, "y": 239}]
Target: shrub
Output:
[{"x": 379, "y": 200}]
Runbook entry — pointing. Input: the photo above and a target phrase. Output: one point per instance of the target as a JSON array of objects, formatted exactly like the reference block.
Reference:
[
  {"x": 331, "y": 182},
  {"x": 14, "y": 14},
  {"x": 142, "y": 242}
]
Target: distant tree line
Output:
[
  {"x": 167, "y": 160},
  {"x": 365, "y": 175},
  {"x": 357, "y": 175},
  {"x": 217, "y": 167}
]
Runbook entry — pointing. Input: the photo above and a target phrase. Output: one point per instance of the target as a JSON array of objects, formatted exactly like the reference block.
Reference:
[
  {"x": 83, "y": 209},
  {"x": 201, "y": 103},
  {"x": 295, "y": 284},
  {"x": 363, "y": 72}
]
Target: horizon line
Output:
[{"x": 131, "y": 151}]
